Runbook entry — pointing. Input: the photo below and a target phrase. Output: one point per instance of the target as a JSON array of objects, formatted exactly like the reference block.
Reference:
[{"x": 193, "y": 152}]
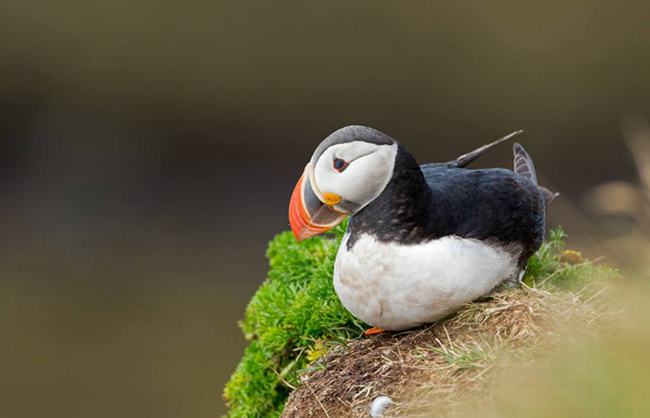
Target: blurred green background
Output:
[{"x": 148, "y": 150}]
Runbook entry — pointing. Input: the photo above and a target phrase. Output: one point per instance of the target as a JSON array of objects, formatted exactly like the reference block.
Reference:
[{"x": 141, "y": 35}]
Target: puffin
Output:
[{"x": 422, "y": 240}]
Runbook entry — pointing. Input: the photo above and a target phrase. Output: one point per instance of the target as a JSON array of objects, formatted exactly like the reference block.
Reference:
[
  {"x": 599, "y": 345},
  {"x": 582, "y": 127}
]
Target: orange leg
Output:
[{"x": 373, "y": 331}]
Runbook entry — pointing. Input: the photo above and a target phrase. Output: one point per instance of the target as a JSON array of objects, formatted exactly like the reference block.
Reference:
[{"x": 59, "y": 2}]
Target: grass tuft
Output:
[{"x": 554, "y": 268}]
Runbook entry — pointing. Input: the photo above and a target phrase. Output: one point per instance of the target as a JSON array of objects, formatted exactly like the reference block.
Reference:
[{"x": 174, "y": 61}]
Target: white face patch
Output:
[{"x": 370, "y": 168}]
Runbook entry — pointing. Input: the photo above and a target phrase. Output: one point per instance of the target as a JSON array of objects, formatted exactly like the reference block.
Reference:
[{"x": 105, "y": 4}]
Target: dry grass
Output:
[{"x": 431, "y": 371}]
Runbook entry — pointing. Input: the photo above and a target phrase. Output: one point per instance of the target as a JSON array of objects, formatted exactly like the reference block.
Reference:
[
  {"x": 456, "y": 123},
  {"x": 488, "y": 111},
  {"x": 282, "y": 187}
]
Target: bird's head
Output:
[{"x": 347, "y": 171}]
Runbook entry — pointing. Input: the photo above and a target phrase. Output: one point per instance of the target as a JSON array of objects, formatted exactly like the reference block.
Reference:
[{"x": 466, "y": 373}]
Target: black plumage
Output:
[{"x": 422, "y": 203}]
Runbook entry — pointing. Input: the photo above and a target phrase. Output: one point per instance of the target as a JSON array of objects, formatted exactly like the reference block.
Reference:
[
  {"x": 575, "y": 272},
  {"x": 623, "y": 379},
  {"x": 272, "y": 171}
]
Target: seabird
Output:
[{"x": 422, "y": 240}]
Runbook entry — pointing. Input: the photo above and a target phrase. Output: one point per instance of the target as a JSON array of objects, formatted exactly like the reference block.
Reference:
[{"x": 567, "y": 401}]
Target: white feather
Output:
[
  {"x": 395, "y": 286},
  {"x": 379, "y": 406}
]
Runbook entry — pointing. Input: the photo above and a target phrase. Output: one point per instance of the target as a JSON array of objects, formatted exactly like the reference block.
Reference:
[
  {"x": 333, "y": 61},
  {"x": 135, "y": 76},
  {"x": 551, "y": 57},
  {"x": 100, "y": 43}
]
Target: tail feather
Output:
[
  {"x": 523, "y": 165},
  {"x": 549, "y": 196}
]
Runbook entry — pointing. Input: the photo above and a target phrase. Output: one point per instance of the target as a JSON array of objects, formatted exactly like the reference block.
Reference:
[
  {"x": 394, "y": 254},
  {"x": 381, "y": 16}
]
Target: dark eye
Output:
[{"x": 340, "y": 165}]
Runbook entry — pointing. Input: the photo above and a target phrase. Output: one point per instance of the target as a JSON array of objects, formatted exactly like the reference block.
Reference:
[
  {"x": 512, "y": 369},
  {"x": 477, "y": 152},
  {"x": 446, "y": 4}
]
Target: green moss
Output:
[
  {"x": 295, "y": 308},
  {"x": 295, "y": 315}
]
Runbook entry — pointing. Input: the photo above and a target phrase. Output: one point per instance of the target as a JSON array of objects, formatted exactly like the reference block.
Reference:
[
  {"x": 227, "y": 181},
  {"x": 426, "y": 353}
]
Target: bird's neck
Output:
[{"x": 401, "y": 211}]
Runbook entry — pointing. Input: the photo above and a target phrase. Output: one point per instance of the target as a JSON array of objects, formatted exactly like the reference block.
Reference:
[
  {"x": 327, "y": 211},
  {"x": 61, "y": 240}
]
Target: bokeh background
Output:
[{"x": 148, "y": 150}]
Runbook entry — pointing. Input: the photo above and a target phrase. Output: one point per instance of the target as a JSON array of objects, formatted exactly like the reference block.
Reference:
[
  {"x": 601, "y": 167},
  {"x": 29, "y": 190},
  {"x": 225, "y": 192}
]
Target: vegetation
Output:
[
  {"x": 295, "y": 317},
  {"x": 287, "y": 320},
  {"x": 555, "y": 268},
  {"x": 601, "y": 376},
  {"x": 437, "y": 370}
]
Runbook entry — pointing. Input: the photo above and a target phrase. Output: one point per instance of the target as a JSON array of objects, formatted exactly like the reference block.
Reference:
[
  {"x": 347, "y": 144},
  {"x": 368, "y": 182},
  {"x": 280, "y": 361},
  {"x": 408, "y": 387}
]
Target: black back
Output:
[{"x": 424, "y": 203}]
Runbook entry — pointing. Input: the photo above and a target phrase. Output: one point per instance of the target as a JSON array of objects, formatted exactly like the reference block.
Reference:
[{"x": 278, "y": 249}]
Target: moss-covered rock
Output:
[{"x": 295, "y": 315}]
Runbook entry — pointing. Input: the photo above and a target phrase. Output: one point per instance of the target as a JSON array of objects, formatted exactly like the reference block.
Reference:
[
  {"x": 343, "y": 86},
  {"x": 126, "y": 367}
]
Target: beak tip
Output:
[{"x": 297, "y": 234}]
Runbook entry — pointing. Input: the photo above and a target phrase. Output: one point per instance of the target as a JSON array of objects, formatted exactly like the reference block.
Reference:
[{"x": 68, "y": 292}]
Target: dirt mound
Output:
[{"x": 447, "y": 361}]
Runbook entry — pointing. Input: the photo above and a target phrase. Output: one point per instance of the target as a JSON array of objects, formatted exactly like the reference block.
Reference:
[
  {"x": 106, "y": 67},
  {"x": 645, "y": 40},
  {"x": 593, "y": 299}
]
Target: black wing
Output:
[
  {"x": 465, "y": 159},
  {"x": 487, "y": 204}
]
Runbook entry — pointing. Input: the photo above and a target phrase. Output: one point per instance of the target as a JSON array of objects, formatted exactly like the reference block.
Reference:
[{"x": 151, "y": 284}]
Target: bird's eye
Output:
[{"x": 339, "y": 164}]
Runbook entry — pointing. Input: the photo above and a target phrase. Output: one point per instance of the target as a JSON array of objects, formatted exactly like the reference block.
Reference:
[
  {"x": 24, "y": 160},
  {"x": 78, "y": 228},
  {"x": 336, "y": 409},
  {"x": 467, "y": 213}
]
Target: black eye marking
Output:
[{"x": 340, "y": 165}]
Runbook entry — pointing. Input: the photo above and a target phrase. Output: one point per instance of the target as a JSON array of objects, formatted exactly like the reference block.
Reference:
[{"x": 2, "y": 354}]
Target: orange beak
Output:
[{"x": 308, "y": 215}]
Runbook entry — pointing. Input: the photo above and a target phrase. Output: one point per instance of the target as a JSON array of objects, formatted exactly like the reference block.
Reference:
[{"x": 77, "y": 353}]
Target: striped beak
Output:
[{"x": 310, "y": 215}]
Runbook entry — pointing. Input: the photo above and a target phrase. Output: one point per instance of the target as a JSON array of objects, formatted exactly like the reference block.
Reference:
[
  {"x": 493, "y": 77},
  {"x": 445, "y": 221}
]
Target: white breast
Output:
[{"x": 395, "y": 286}]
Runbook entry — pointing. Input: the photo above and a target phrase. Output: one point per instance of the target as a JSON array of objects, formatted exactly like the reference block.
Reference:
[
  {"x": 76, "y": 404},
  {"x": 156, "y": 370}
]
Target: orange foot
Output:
[{"x": 373, "y": 331}]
